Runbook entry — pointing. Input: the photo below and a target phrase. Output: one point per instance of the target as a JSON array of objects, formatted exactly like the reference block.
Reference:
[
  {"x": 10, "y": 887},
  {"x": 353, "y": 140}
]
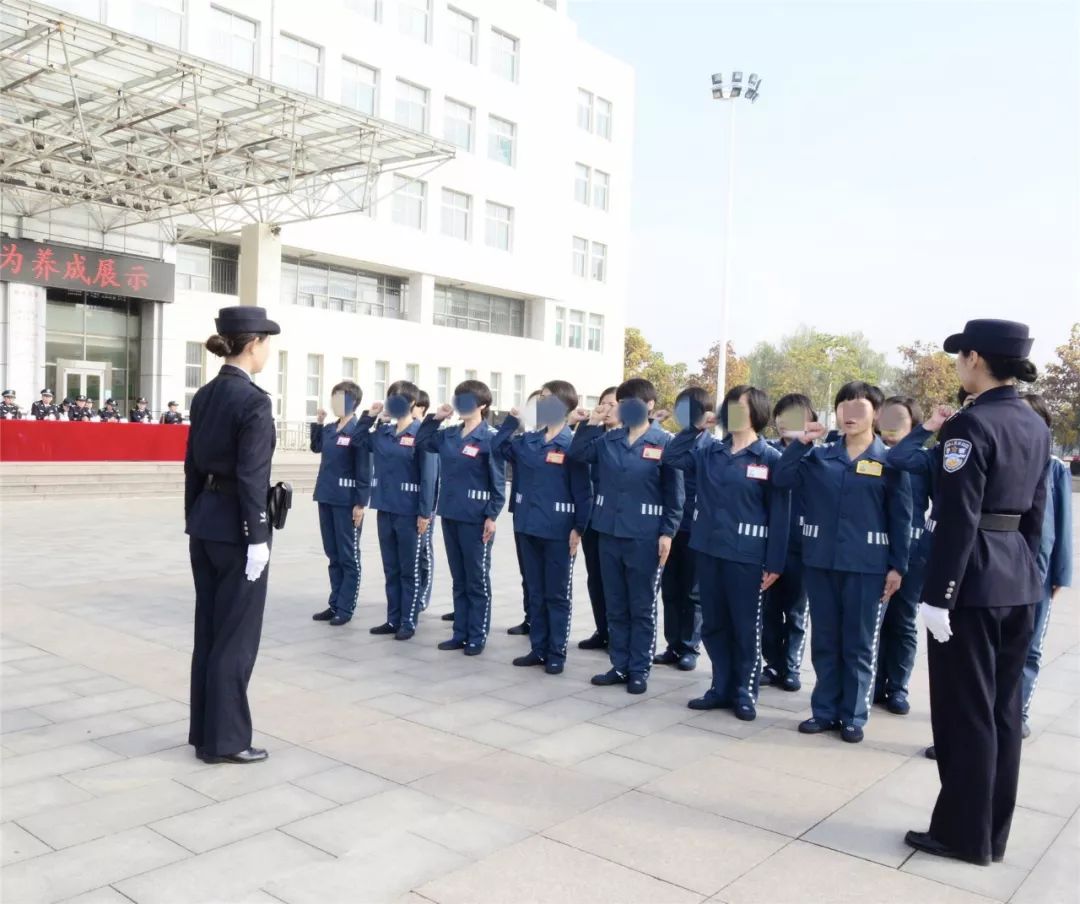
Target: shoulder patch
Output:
[{"x": 954, "y": 454}]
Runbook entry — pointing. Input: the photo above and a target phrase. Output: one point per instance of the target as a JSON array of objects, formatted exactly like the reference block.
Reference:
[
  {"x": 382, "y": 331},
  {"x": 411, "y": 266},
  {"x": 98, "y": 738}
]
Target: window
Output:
[
  {"x": 233, "y": 40},
  {"x": 575, "y": 338},
  {"x": 591, "y": 402},
  {"x": 382, "y": 379},
  {"x": 314, "y": 385},
  {"x": 456, "y": 213},
  {"x": 458, "y": 124},
  {"x": 369, "y": 9},
  {"x": 504, "y": 55},
  {"x": 358, "y": 86},
  {"x": 410, "y": 107},
  {"x": 299, "y": 64},
  {"x": 599, "y": 262},
  {"x": 207, "y": 267},
  {"x": 499, "y": 229},
  {"x": 412, "y": 373},
  {"x": 601, "y": 181},
  {"x": 159, "y": 20},
  {"x": 409, "y": 202},
  {"x": 442, "y": 386},
  {"x": 603, "y": 118},
  {"x": 560, "y": 326},
  {"x": 413, "y": 18},
  {"x": 501, "y": 140},
  {"x": 461, "y": 31},
  {"x": 519, "y": 391},
  {"x": 350, "y": 367},
  {"x": 596, "y": 333},
  {"x": 496, "y": 390},
  {"x": 582, "y": 181},
  {"x": 581, "y": 253},
  {"x": 193, "y": 371},
  {"x": 281, "y": 398},
  {"x": 315, "y": 285},
  {"x": 584, "y": 109},
  {"x": 478, "y": 311},
  {"x": 470, "y": 375}
]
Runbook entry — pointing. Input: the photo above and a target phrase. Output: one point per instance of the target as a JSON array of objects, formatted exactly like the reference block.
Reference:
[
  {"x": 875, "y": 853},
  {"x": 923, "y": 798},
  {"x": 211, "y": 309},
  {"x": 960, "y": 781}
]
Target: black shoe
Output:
[
  {"x": 768, "y": 676},
  {"x": 709, "y": 701},
  {"x": 384, "y": 628},
  {"x": 404, "y": 634},
  {"x": 608, "y": 678},
  {"x": 553, "y": 668},
  {"x": 452, "y": 645},
  {"x": 1025, "y": 731},
  {"x": 930, "y": 753},
  {"x": 474, "y": 649},
  {"x": 817, "y": 726},
  {"x": 898, "y": 704},
  {"x": 251, "y": 755},
  {"x": 637, "y": 684},
  {"x": 880, "y": 698},
  {"x": 596, "y": 642},
  {"x": 447, "y": 616},
  {"x": 790, "y": 683},
  {"x": 325, "y": 615},
  {"x": 687, "y": 662},
  {"x": 519, "y": 630},
  {"x": 665, "y": 658},
  {"x": 745, "y": 712},
  {"x": 338, "y": 620},
  {"x": 928, "y": 844},
  {"x": 852, "y": 734},
  {"x": 530, "y": 659}
]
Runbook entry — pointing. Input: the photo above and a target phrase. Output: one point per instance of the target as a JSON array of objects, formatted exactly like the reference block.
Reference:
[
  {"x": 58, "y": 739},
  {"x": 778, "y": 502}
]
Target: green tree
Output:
[
  {"x": 737, "y": 370},
  {"x": 928, "y": 375},
  {"x": 640, "y": 359},
  {"x": 1060, "y": 386}
]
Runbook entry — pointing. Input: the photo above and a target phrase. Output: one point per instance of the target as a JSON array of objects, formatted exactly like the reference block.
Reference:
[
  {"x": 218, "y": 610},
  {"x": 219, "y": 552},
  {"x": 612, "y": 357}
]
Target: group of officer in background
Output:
[{"x": 82, "y": 409}]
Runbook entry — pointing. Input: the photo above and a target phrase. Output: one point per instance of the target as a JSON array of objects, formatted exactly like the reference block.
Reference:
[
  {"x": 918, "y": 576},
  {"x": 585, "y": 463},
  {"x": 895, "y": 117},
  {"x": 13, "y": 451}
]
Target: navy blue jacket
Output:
[
  {"x": 232, "y": 437},
  {"x": 1055, "y": 550},
  {"x": 921, "y": 465},
  {"x": 344, "y": 470},
  {"x": 795, "y": 522},
  {"x": 404, "y": 481},
  {"x": 739, "y": 515},
  {"x": 994, "y": 454},
  {"x": 472, "y": 480},
  {"x": 637, "y": 496},
  {"x": 856, "y": 514},
  {"x": 552, "y": 495}
]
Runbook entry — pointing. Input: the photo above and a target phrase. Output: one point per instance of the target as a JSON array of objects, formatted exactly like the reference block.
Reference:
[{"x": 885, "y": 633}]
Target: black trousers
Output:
[
  {"x": 682, "y": 604},
  {"x": 590, "y": 546},
  {"x": 975, "y": 710},
  {"x": 228, "y": 623}
]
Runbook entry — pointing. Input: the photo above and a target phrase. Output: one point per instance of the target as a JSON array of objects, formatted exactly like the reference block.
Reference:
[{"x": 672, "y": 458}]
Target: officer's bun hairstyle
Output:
[
  {"x": 910, "y": 404},
  {"x": 404, "y": 388},
  {"x": 1038, "y": 403},
  {"x": 231, "y": 345},
  {"x": 350, "y": 387},
  {"x": 1002, "y": 368},
  {"x": 636, "y": 388},
  {"x": 423, "y": 400},
  {"x": 857, "y": 389},
  {"x": 698, "y": 394},
  {"x": 479, "y": 389},
  {"x": 564, "y": 392},
  {"x": 756, "y": 401},
  {"x": 794, "y": 400}
]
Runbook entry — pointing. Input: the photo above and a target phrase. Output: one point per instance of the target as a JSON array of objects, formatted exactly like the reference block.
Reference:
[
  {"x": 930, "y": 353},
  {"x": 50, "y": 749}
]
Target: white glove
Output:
[
  {"x": 257, "y": 558},
  {"x": 936, "y": 620}
]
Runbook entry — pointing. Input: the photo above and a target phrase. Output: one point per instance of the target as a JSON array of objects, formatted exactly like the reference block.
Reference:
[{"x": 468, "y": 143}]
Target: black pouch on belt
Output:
[{"x": 278, "y": 503}]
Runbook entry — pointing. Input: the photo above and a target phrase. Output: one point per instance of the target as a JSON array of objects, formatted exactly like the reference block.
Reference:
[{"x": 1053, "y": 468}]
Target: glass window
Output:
[
  {"x": 413, "y": 18},
  {"x": 496, "y": 390},
  {"x": 224, "y": 267},
  {"x": 560, "y": 326},
  {"x": 350, "y": 367},
  {"x": 596, "y": 333},
  {"x": 470, "y": 375},
  {"x": 501, "y": 140},
  {"x": 299, "y": 64},
  {"x": 159, "y": 20},
  {"x": 409, "y": 202},
  {"x": 603, "y": 118},
  {"x": 193, "y": 267},
  {"x": 382, "y": 379},
  {"x": 581, "y": 183},
  {"x": 575, "y": 336},
  {"x": 410, "y": 106},
  {"x": 461, "y": 32},
  {"x": 314, "y": 385},
  {"x": 601, "y": 182},
  {"x": 581, "y": 253},
  {"x": 233, "y": 40},
  {"x": 519, "y": 390},
  {"x": 478, "y": 311},
  {"x": 316, "y": 285},
  {"x": 442, "y": 386},
  {"x": 584, "y": 109},
  {"x": 358, "y": 86},
  {"x": 369, "y": 9},
  {"x": 458, "y": 124},
  {"x": 412, "y": 373},
  {"x": 504, "y": 55},
  {"x": 456, "y": 213},
  {"x": 599, "y": 262},
  {"x": 282, "y": 384},
  {"x": 499, "y": 227},
  {"x": 193, "y": 371}
]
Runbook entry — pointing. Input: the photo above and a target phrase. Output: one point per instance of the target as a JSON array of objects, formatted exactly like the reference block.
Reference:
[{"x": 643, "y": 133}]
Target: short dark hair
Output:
[
  {"x": 794, "y": 400},
  {"x": 859, "y": 389},
  {"x": 350, "y": 386},
  {"x": 404, "y": 388},
  {"x": 611, "y": 390},
  {"x": 636, "y": 388},
  {"x": 1005, "y": 368},
  {"x": 564, "y": 392},
  {"x": 910, "y": 404},
  {"x": 698, "y": 394},
  {"x": 756, "y": 401},
  {"x": 1038, "y": 403},
  {"x": 423, "y": 400},
  {"x": 479, "y": 389}
]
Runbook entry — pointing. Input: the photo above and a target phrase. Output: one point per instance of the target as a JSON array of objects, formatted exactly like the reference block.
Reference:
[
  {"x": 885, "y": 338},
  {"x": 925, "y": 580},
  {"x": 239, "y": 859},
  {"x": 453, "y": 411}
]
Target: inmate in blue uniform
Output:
[
  {"x": 740, "y": 529},
  {"x": 403, "y": 490},
  {"x": 856, "y": 527},
  {"x": 472, "y": 488},
  {"x": 638, "y": 500},
  {"x": 552, "y": 498}
]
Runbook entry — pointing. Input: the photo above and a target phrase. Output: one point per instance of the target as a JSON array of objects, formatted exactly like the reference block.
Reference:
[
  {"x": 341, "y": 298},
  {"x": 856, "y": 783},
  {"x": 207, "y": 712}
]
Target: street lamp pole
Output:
[{"x": 730, "y": 91}]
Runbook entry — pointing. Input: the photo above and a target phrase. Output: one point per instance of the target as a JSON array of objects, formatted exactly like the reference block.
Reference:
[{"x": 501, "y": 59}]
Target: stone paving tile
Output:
[
  {"x": 147, "y": 739},
  {"x": 33, "y": 695},
  {"x": 998, "y": 881},
  {"x": 497, "y": 733},
  {"x": 21, "y": 719},
  {"x": 1058, "y": 751},
  {"x": 17, "y": 844},
  {"x": 556, "y": 715},
  {"x": 61, "y": 734},
  {"x": 95, "y": 704},
  {"x": 1048, "y": 790},
  {"x": 284, "y": 765},
  {"x": 160, "y": 713},
  {"x": 42, "y": 794},
  {"x": 647, "y": 717},
  {"x": 104, "y": 895},
  {"x": 126, "y": 774},
  {"x": 574, "y": 744},
  {"x": 463, "y": 713},
  {"x": 59, "y": 760},
  {"x": 343, "y": 784},
  {"x": 622, "y": 770},
  {"x": 1056, "y": 877},
  {"x": 675, "y": 747}
]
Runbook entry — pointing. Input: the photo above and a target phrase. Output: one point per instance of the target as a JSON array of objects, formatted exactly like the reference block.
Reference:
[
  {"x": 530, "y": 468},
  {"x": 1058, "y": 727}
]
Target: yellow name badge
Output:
[{"x": 869, "y": 468}]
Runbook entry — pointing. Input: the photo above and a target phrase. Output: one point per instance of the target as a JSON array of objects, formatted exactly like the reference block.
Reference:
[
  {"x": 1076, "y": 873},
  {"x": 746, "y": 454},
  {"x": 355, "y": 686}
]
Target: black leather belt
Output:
[
  {"x": 991, "y": 521},
  {"x": 225, "y": 485}
]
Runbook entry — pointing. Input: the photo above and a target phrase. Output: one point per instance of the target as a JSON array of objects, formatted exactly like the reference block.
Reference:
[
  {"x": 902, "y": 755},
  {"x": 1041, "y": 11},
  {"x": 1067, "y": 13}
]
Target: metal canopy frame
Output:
[{"x": 136, "y": 132}]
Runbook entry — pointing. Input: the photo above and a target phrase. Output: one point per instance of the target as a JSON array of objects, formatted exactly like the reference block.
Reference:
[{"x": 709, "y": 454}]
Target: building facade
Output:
[{"x": 508, "y": 263}]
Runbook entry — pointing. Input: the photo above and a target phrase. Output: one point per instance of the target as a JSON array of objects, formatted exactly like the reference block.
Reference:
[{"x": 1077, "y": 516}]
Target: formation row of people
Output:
[{"x": 82, "y": 409}]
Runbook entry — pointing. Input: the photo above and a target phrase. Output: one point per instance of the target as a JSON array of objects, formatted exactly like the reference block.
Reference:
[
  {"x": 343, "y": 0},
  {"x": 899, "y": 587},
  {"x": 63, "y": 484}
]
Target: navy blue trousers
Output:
[
  {"x": 341, "y": 543},
  {"x": 846, "y": 610},
  {"x": 631, "y": 570},
  {"x": 526, "y": 604},
  {"x": 678, "y": 589},
  {"x": 549, "y": 575},
  {"x": 731, "y": 602},
  {"x": 401, "y": 549},
  {"x": 590, "y": 546},
  {"x": 900, "y": 635},
  {"x": 469, "y": 558},
  {"x": 783, "y": 627},
  {"x": 427, "y": 565}
]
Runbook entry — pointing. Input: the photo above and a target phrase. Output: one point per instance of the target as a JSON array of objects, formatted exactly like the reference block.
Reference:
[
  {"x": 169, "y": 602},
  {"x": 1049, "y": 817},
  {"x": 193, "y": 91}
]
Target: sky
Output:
[{"x": 907, "y": 166}]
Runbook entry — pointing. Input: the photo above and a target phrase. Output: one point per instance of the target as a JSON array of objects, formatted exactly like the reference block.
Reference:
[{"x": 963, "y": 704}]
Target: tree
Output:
[
  {"x": 928, "y": 376},
  {"x": 737, "y": 370},
  {"x": 1060, "y": 387},
  {"x": 640, "y": 359}
]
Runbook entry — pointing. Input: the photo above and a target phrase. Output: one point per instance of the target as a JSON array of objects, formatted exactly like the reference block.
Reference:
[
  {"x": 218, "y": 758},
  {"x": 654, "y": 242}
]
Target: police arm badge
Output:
[{"x": 955, "y": 454}]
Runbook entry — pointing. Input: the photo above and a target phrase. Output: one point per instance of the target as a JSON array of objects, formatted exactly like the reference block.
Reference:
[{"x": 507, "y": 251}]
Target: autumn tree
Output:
[
  {"x": 928, "y": 375},
  {"x": 640, "y": 359},
  {"x": 736, "y": 373},
  {"x": 1060, "y": 386}
]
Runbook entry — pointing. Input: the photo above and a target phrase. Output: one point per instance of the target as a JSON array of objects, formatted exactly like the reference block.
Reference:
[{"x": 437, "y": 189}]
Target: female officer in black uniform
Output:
[
  {"x": 980, "y": 591},
  {"x": 227, "y": 477}
]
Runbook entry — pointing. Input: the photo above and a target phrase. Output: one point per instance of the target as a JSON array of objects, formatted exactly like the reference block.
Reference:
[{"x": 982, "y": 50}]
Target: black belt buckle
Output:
[{"x": 997, "y": 522}]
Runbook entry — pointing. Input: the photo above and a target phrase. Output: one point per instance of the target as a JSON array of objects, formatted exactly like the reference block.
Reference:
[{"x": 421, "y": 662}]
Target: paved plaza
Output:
[{"x": 401, "y": 773}]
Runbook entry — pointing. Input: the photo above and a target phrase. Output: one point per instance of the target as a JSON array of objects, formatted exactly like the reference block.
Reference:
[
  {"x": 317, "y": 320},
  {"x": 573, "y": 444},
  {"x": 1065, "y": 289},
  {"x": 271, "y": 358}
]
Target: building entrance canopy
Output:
[{"x": 140, "y": 133}]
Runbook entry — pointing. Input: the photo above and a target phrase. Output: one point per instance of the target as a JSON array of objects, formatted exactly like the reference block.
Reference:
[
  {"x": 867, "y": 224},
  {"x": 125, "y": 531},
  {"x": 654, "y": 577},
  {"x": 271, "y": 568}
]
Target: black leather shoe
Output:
[
  {"x": 745, "y": 712},
  {"x": 768, "y": 676},
  {"x": 338, "y": 620},
  {"x": 251, "y": 755},
  {"x": 325, "y": 615},
  {"x": 385, "y": 628},
  {"x": 452, "y": 645},
  {"x": 596, "y": 642},
  {"x": 665, "y": 658},
  {"x": 852, "y": 734},
  {"x": 447, "y": 616},
  {"x": 930, "y": 753},
  {"x": 404, "y": 634},
  {"x": 790, "y": 683},
  {"x": 473, "y": 649},
  {"x": 687, "y": 662},
  {"x": 519, "y": 630},
  {"x": 709, "y": 701},
  {"x": 609, "y": 678},
  {"x": 817, "y": 726},
  {"x": 637, "y": 684},
  {"x": 553, "y": 668},
  {"x": 928, "y": 844},
  {"x": 530, "y": 659}
]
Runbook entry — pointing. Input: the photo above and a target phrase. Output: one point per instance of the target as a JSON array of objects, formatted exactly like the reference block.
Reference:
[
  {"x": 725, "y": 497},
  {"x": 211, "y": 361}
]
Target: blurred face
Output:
[
  {"x": 738, "y": 415},
  {"x": 854, "y": 417},
  {"x": 894, "y": 422},
  {"x": 612, "y": 417}
]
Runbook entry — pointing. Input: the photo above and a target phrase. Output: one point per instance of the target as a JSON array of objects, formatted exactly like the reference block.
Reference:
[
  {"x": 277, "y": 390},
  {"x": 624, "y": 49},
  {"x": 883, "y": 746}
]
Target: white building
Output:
[{"x": 507, "y": 263}]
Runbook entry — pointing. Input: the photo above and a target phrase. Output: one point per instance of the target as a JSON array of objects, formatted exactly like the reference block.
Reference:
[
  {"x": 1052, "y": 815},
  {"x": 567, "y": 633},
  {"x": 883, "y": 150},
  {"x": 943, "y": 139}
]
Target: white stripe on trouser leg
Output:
[
  {"x": 570, "y": 605},
  {"x": 356, "y": 560},
  {"x": 806, "y": 630},
  {"x": 655, "y": 597},
  {"x": 429, "y": 555},
  {"x": 486, "y": 564},
  {"x": 756, "y": 667},
  {"x": 417, "y": 591},
  {"x": 874, "y": 654},
  {"x": 1035, "y": 681}
]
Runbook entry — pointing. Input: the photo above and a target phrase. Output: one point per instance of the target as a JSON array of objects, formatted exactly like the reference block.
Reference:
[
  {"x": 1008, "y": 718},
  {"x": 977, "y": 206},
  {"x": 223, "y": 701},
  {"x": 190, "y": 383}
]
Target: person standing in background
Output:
[{"x": 45, "y": 410}]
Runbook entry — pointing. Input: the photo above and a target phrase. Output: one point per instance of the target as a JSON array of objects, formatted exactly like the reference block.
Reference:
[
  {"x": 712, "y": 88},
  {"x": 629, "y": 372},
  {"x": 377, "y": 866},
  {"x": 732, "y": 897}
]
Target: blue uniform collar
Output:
[
  {"x": 996, "y": 394},
  {"x": 755, "y": 448},
  {"x": 654, "y": 436},
  {"x": 391, "y": 429},
  {"x": 562, "y": 439},
  {"x": 231, "y": 370},
  {"x": 877, "y": 450}
]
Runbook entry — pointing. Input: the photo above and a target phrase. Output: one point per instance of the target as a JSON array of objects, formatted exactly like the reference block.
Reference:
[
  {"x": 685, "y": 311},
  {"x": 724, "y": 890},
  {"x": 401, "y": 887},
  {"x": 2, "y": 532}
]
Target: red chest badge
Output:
[
  {"x": 555, "y": 458},
  {"x": 471, "y": 451},
  {"x": 407, "y": 441},
  {"x": 652, "y": 453},
  {"x": 343, "y": 440}
]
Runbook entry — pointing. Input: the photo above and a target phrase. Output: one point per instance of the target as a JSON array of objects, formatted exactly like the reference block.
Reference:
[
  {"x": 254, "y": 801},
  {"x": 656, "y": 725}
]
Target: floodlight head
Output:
[
  {"x": 718, "y": 94},
  {"x": 718, "y": 78},
  {"x": 736, "y": 77},
  {"x": 754, "y": 80},
  {"x": 736, "y": 91}
]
